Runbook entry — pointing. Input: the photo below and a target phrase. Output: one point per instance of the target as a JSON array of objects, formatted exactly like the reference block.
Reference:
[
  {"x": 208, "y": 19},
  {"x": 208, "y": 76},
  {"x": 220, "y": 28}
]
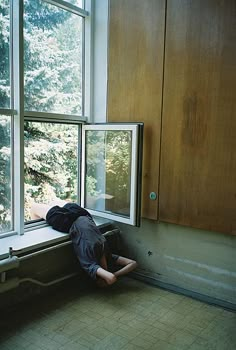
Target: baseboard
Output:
[{"x": 145, "y": 277}]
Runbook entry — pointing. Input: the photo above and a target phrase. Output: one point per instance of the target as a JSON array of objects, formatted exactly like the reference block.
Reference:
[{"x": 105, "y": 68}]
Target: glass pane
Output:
[
  {"x": 51, "y": 163},
  {"x": 4, "y": 54},
  {"x": 108, "y": 169},
  {"x": 52, "y": 59},
  {"x": 5, "y": 174},
  {"x": 79, "y": 3}
]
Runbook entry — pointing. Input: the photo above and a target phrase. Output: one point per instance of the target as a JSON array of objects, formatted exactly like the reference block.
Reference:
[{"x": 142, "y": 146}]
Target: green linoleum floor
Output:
[{"x": 130, "y": 315}]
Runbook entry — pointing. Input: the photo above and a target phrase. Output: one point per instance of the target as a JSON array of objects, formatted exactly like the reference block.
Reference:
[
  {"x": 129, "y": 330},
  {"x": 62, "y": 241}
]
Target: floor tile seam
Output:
[
  {"x": 188, "y": 334},
  {"x": 167, "y": 304},
  {"x": 94, "y": 336},
  {"x": 63, "y": 324},
  {"x": 29, "y": 339},
  {"x": 90, "y": 347},
  {"x": 161, "y": 330},
  {"x": 123, "y": 316},
  {"x": 134, "y": 329},
  {"x": 188, "y": 308},
  {"x": 138, "y": 317},
  {"x": 141, "y": 347},
  {"x": 73, "y": 322},
  {"x": 66, "y": 341},
  {"x": 138, "y": 320},
  {"x": 104, "y": 340},
  {"x": 79, "y": 328},
  {"x": 155, "y": 339},
  {"x": 211, "y": 330},
  {"x": 106, "y": 326},
  {"x": 213, "y": 342}
]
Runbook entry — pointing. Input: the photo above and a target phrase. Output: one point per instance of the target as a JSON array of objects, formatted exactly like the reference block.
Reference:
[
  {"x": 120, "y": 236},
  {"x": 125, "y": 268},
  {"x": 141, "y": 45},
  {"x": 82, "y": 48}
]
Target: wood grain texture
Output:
[
  {"x": 135, "y": 73},
  {"x": 198, "y": 159}
]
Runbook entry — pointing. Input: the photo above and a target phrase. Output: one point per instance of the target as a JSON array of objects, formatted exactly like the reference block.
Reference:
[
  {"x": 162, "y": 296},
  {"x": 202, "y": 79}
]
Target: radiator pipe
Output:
[
  {"x": 15, "y": 282},
  {"x": 9, "y": 264},
  {"x": 48, "y": 284},
  {"x": 13, "y": 262},
  {"x": 28, "y": 256},
  {"x": 9, "y": 284}
]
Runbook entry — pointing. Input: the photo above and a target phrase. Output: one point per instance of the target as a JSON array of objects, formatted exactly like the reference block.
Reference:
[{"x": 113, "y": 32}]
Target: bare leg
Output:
[
  {"x": 59, "y": 202},
  {"x": 39, "y": 211}
]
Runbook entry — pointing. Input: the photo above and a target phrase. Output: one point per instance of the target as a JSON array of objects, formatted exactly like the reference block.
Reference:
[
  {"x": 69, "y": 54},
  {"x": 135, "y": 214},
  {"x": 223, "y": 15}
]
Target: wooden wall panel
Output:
[
  {"x": 198, "y": 160},
  {"x": 135, "y": 73}
]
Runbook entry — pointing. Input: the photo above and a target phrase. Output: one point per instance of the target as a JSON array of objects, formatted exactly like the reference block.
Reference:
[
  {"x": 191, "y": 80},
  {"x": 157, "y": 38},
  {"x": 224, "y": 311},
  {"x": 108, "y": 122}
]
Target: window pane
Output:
[
  {"x": 5, "y": 174},
  {"x": 51, "y": 163},
  {"x": 52, "y": 59},
  {"x": 108, "y": 169},
  {"x": 4, "y": 54},
  {"x": 79, "y": 3}
]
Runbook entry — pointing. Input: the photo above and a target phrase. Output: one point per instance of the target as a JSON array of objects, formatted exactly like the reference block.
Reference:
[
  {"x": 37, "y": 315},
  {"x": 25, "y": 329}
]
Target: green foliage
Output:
[
  {"x": 50, "y": 162},
  {"x": 5, "y": 184},
  {"x": 52, "y": 83},
  {"x": 108, "y": 161},
  {"x": 4, "y": 54},
  {"x": 52, "y": 74},
  {"x": 52, "y": 59}
]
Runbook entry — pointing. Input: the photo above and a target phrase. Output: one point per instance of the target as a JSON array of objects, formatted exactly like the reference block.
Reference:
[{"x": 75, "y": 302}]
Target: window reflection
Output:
[{"x": 108, "y": 157}]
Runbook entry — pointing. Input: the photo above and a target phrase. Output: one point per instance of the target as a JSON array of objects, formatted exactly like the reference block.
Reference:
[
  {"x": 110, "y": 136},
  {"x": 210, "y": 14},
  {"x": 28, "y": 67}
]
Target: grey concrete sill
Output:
[{"x": 38, "y": 237}]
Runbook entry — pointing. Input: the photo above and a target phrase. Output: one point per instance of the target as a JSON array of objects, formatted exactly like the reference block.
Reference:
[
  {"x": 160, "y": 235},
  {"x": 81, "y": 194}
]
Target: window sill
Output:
[{"x": 38, "y": 238}]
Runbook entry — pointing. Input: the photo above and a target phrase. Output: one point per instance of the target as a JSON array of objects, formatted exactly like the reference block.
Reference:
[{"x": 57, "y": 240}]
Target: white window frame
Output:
[
  {"x": 135, "y": 176},
  {"x": 19, "y": 115},
  {"x": 89, "y": 113}
]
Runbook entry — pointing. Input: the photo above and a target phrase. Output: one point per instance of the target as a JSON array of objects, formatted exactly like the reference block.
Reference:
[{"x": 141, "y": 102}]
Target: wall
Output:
[
  {"x": 47, "y": 267},
  {"x": 168, "y": 255},
  {"x": 196, "y": 260},
  {"x": 44, "y": 268},
  {"x": 181, "y": 257}
]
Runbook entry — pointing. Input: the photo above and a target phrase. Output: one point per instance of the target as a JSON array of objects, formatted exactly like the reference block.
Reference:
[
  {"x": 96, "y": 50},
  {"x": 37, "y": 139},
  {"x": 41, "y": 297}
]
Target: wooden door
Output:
[
  {"x": 135, "y": 73},
  {"x": 198, "y": 150}
]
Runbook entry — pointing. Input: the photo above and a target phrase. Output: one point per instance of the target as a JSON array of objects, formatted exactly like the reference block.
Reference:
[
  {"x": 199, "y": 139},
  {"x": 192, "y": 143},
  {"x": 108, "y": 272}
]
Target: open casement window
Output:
[{"x": 111, "y": 171}]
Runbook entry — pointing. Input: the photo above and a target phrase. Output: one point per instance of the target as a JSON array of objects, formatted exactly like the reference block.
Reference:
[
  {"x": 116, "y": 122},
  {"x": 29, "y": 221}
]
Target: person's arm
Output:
[
  {"x": 128, "y": 266},
  {"x": 105, "y": 275}
]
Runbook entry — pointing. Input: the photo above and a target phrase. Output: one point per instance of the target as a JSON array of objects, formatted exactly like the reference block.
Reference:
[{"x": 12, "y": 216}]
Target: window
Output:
[
  {"x": 45, "y": 103},
  {"x": 6, "y": 218},
  {"x": 111, "y": 171},
  {"x": 51, "y": 163},
  {"x": 5, "y": 174},
  {"x": 53, "y": 59},
  {"x": 5, "y": 92},
  {"x": 79, "y": 3},
  {"x": 45, "y": 49}
]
